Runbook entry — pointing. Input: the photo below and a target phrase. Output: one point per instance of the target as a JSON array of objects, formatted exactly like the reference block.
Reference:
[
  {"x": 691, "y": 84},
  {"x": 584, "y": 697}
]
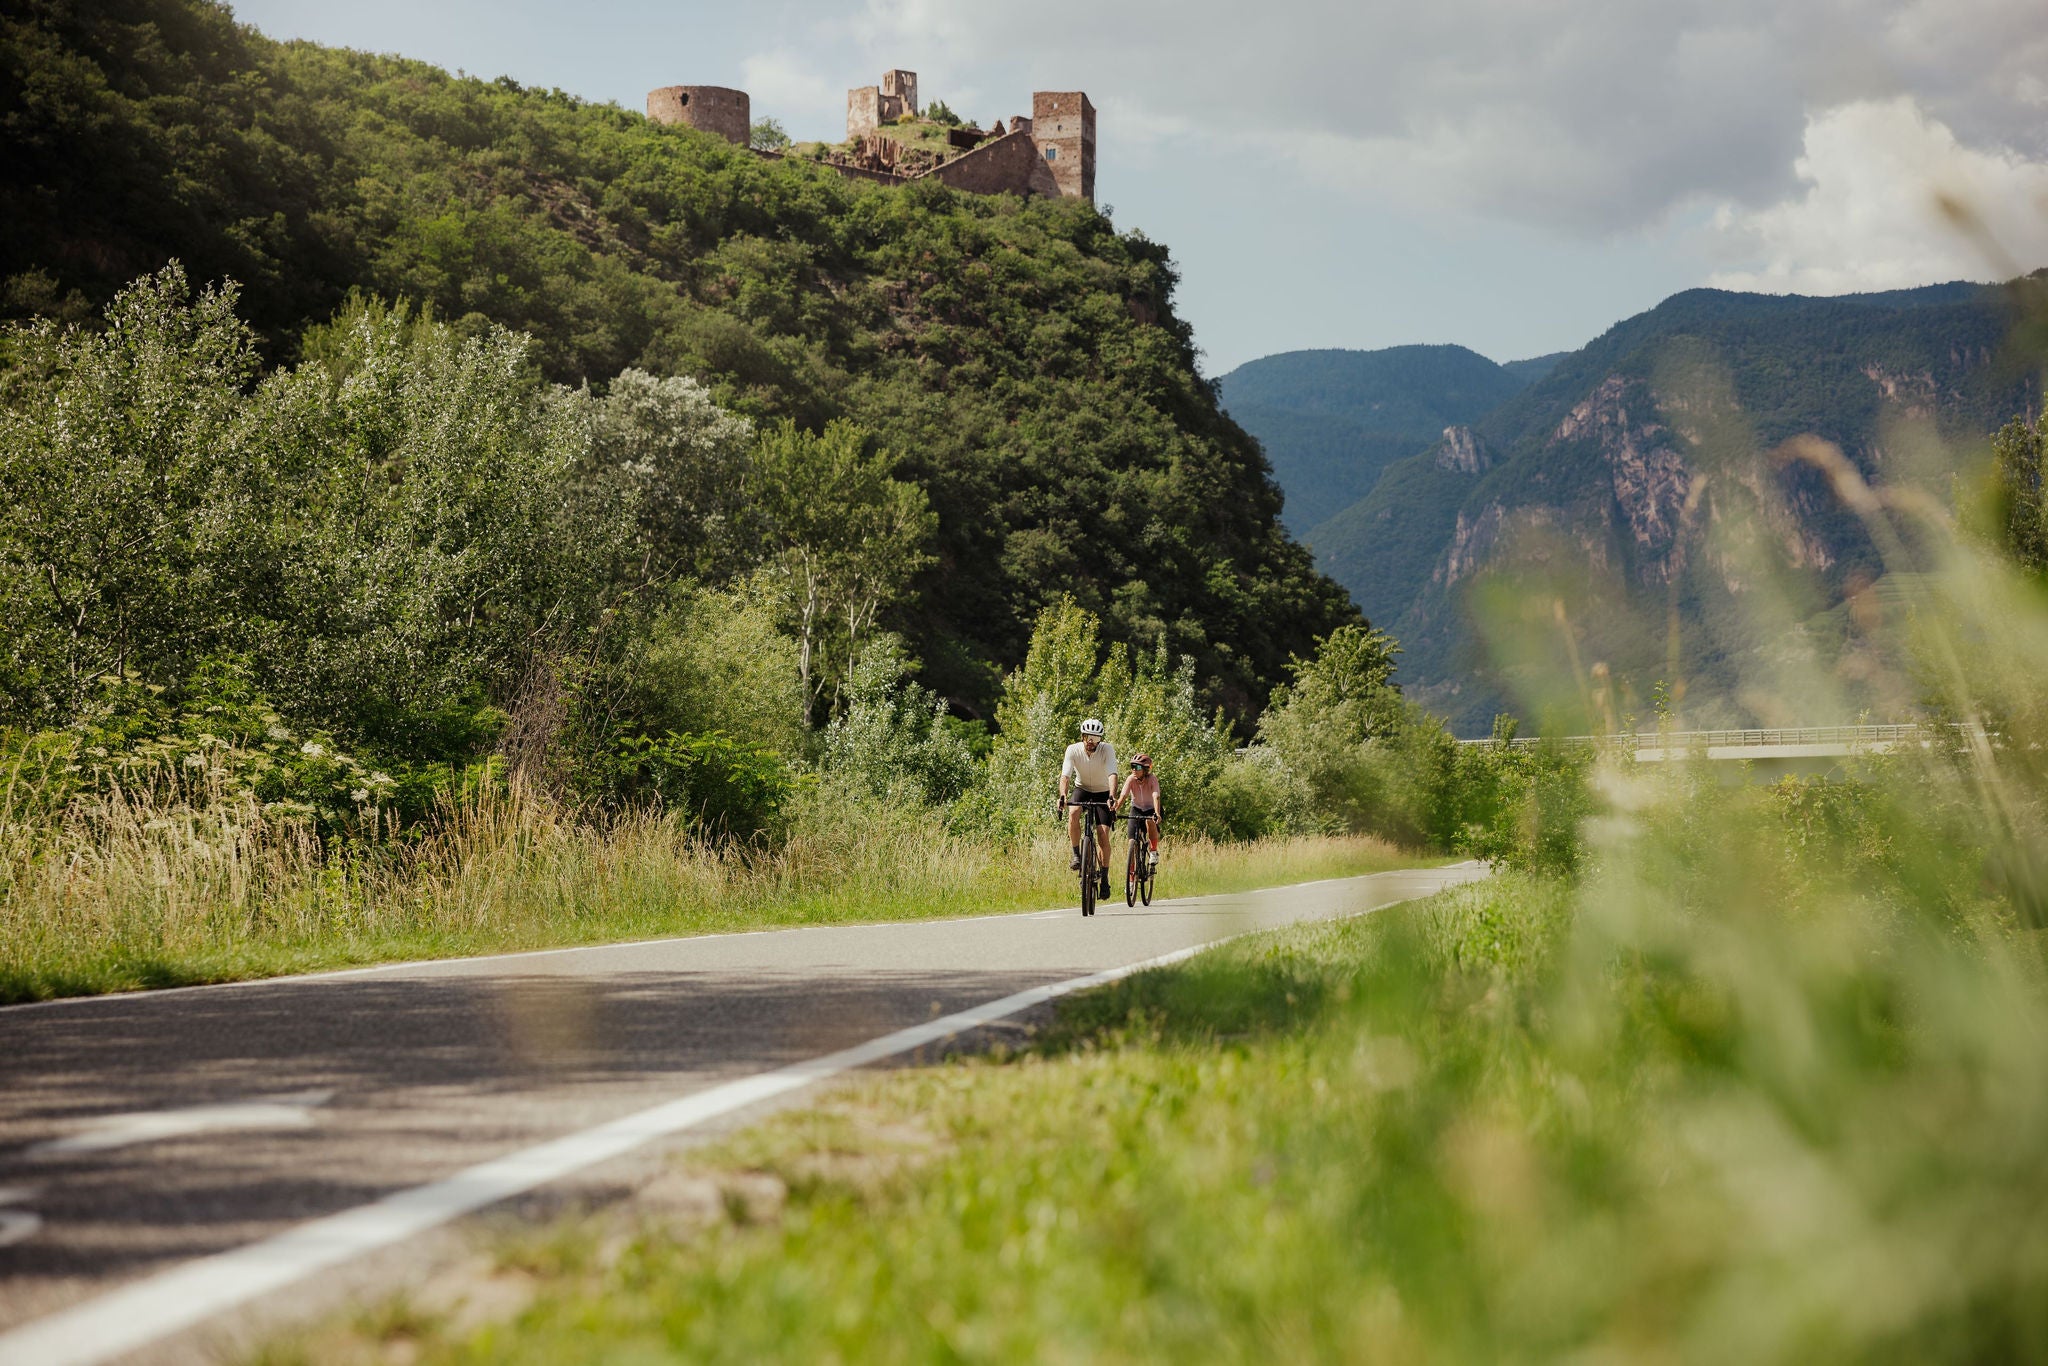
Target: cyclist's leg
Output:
[{"x": 1074, "y": 830}]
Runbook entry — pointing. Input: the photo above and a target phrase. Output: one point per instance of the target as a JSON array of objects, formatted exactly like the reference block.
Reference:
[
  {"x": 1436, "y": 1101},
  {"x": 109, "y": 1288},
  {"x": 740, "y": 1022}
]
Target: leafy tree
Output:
[
  {"x": 435, "y": 533},
  {"x": 121, "y": 469},
  {"x": 2017, "y": 454},
  {"x": 686, "y": 461},
  {"x": 715, "y": 660},
  {"x": 937, "y": 112},
  {"x": 1325, "y": 723},
  {"x": 768, "y": 135},
  {"x": 846, "y": 537}
]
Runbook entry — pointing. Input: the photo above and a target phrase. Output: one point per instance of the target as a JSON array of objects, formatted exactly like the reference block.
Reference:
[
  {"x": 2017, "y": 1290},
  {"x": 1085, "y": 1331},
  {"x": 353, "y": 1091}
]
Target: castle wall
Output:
[
  {"x": 708, "y": 108},
  {"x": 1063, "y": 125},
  {"x": 863, "y": 111},
  {"x": 1010, "y": 164}
]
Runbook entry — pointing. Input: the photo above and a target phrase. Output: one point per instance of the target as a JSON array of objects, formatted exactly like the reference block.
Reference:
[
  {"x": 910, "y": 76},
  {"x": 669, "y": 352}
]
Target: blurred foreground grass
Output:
[
  {"x": 148, "y": 903},
  {"x": 1518, "y": 1121}
]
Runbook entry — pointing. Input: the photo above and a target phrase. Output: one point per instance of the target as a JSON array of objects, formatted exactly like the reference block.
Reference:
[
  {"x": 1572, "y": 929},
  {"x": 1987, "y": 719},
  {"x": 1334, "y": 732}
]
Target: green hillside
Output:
[
  {"x": 1331, "y": 420},
  {"x": 1023, "y": 359},
  {"x": 1586, "y": 473}
]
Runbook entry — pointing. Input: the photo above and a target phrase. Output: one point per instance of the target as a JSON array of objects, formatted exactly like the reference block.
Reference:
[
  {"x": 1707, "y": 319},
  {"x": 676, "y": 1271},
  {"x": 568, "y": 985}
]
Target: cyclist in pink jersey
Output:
[{"x": 1141, "y": 794}]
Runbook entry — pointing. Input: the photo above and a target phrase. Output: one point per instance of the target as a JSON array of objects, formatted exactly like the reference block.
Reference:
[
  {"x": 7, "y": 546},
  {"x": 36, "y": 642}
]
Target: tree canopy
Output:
[{"x": 1021, "y": 359}]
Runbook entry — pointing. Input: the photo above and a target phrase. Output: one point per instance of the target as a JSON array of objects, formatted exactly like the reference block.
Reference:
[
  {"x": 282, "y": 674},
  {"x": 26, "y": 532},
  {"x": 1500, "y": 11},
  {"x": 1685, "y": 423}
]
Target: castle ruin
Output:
[
  {"x": 708, "y": 108},
  {"x": 1050, "y": 153},
  {"x": 870, "y": 106}
]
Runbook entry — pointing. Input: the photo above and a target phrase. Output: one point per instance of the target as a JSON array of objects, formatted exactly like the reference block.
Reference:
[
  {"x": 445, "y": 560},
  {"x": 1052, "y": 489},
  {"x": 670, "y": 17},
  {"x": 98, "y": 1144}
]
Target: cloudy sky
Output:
[{"x": 1513, "y": 175}]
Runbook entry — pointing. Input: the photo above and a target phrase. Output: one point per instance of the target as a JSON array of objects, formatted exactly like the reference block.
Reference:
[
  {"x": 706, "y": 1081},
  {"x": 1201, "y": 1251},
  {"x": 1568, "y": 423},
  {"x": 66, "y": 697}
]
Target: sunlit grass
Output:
[{"x": 128, "y": 894}]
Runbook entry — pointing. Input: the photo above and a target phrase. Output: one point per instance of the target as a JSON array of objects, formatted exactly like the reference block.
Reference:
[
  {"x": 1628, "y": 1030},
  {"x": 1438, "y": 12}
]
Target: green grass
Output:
[
  {"x": 1515, "y": 1122},
  {"x": 144, "y": 904}
]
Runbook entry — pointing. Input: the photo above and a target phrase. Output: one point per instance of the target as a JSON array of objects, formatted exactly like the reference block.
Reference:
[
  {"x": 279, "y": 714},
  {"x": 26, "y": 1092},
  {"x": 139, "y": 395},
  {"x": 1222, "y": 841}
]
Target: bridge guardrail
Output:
[{"x": 1762, "y": 737}]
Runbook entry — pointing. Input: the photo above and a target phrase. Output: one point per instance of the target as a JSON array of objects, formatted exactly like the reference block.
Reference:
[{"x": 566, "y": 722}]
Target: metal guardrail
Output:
[{"x": 1762, "y": 737}]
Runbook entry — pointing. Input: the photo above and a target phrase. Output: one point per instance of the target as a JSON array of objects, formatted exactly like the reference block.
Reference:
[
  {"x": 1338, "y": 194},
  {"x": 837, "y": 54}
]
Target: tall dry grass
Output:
[{"x": 178, "y": 879}]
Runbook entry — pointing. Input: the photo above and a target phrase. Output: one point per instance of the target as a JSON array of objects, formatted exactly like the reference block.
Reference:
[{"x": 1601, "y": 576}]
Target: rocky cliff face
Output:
[
  {"x": 1647, "y": 490},
  {"x": 1461, "y": 452}
]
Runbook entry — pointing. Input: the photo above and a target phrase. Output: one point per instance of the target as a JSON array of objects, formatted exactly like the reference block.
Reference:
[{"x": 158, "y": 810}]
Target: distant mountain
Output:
[
  {"x": 1331, "y": 420},
  {"x": 1636, "y": 508},
  {"x": 1535, "y": 368}
]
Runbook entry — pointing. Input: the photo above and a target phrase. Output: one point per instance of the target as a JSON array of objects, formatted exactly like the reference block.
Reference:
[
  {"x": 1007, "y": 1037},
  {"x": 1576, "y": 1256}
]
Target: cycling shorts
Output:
[
  {"x": 1081, "y": 795},
  {"x": 1139, "y": 815}
]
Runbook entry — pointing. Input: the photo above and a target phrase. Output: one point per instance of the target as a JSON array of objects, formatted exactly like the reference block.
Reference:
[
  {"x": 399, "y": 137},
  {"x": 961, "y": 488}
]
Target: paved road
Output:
[{"x": 140, "y": 1132}]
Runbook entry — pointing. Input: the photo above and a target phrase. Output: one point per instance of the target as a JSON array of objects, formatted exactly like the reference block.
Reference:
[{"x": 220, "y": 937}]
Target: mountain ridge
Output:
[{"x": 1627, "y": 458}]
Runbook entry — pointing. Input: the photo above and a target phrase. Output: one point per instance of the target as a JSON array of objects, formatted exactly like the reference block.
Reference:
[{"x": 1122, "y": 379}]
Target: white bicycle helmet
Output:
[{"x": 1092, "y": 727}]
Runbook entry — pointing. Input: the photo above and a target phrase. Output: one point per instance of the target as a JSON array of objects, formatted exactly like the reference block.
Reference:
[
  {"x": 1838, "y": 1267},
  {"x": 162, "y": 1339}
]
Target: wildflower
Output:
[
  {"x": 380, "y": 780},
  {"x": 195, "y": 761},
  {"x": 99, "y": 751},
  {"x": 312, "y": 749},
  {"x": 278, "y": 733},
  {"x": 359, "y": 795}
]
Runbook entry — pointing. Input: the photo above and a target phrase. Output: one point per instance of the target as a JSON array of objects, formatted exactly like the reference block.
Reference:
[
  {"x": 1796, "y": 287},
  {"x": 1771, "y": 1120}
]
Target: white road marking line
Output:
[
  {"x": 18, "y": 1224},
  {"x": 185, "y": 1295},
  {"x": 293, "y": 1110}
]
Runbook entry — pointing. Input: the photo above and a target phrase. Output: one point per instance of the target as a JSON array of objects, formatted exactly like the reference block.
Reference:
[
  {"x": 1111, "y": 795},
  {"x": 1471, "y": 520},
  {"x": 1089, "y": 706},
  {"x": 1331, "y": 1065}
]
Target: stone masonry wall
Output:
[
  {"x": 709, "y": 108},
  {"x": 1009, "y": 164}
]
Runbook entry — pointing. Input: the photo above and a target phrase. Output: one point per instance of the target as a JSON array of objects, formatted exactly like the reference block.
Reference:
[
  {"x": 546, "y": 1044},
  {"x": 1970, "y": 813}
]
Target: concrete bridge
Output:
[{"x": 1766, "y": 753}]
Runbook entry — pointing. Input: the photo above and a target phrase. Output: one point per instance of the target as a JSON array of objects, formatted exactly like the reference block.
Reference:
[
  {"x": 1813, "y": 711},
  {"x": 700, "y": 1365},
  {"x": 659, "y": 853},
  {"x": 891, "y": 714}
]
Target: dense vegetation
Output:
[
  {"x": 1907, "y": 385},
  {"x": 1331, "y": 421},
  {"x": 1021, "y": 360},
  {"x": 290, "y": 658}
]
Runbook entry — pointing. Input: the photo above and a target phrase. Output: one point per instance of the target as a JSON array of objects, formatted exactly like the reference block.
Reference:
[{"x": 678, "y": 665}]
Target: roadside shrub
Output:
[
  {"x": 724, "y": 786},
  {"x": 215, "y": 740},
  {"x": 893, "y": 741},
  {"x": 1536, "y": 802}
]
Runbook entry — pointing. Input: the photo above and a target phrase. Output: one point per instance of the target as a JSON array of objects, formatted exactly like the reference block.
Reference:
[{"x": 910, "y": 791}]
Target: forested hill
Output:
[
  {"x": 1645, "y": 481},
  {"x": 1023, "y": 358},
  {"x": 1331, "y": 420}
]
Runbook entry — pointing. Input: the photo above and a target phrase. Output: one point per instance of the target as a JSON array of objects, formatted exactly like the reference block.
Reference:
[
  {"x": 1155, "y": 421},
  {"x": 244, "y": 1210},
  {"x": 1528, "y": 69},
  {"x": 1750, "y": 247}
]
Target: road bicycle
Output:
[
  {"x": 1138, "y": 872},
  {"x": 1094, "y": 816}
]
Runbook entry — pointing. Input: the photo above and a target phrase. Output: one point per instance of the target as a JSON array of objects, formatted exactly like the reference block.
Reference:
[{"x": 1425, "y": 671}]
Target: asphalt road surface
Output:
[{"x": 165, "y": 1156}]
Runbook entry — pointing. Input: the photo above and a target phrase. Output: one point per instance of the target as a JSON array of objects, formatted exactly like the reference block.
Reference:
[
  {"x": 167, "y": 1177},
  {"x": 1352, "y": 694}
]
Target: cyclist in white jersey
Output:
[{"x": 1090, "y": 772}]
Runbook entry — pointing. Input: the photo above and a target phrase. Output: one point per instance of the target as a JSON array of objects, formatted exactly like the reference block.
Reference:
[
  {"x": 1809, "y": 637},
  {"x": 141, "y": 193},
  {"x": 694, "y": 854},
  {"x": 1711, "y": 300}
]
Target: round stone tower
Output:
[{"x": 709, "y": 108}]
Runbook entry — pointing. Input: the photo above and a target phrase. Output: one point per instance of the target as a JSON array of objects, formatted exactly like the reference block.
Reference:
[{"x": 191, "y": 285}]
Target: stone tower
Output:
[
  {"x": 868, "y": 107},
  {"x": 1063, "y": 126},
  {"x": 900, "y": 86},
  {"x": 709, "y": 108}
]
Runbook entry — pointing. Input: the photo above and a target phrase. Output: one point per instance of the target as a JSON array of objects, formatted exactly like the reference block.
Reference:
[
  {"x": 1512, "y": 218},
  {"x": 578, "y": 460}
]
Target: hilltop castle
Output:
[{"x": 1051, "y": 153}]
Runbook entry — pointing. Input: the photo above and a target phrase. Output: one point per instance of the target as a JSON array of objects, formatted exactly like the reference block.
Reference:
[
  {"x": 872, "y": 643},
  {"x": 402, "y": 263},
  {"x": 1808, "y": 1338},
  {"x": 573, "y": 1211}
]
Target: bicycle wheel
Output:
[
  {"x": 1088, "y": 869},
  {"x": 1134, "y": 874},
  {"x": 1145, "y": 881}
]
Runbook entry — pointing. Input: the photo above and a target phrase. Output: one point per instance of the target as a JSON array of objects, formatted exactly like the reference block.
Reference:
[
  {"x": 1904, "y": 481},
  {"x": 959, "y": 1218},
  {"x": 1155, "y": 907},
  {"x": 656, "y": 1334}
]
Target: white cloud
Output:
[
  {"x": 1875, "y": 176},
  {"x": 1587, "y": 117}
]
